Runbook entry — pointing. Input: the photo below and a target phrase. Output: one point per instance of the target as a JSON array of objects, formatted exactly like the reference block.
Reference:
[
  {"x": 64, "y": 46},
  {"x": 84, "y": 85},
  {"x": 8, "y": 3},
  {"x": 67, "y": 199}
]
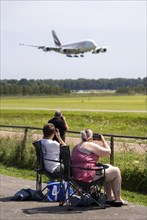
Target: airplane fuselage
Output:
[{"x": 80, "y": 47}]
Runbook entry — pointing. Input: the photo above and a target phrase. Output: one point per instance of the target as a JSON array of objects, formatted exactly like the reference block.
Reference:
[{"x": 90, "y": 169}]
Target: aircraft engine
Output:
[
  {"x": 63, "y": 50},
  {"x": 45, "y": 49},
  {"x": 98, "y": 50},
  {"x": 103, "y": 50}
]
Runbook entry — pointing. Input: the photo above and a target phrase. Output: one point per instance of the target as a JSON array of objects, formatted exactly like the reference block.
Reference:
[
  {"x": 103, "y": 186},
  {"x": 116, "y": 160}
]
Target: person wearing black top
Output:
[{"x": 59, "y": 121}]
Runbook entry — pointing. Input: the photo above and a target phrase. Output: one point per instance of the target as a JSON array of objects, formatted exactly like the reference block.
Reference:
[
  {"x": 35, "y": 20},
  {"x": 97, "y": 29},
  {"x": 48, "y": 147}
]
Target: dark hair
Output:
[
  {"x": 48, "y": 130},
  {"x": 58, "y": 114}
]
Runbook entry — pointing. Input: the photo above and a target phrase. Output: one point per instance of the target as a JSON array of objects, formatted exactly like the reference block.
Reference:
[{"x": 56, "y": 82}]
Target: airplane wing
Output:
[
  {"x": 28, "y": 45},
  {"x": 63, "y": 50},
  {"x": 44, "y": 48}
]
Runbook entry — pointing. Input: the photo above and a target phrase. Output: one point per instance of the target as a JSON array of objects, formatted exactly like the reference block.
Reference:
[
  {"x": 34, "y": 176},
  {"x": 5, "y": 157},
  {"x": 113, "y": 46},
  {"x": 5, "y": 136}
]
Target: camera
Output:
[
  {"x": 56, "y": 130},
  {"x": 62, "y": 118},
  {"x": 97, "y": 137}
]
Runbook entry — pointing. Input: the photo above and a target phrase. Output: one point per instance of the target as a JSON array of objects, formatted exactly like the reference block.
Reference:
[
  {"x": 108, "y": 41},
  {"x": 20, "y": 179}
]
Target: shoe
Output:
[
  {"x": 110, "y": 202},
  {"x": 116, "y": 203},
  {"x": 124, "y": 202}
]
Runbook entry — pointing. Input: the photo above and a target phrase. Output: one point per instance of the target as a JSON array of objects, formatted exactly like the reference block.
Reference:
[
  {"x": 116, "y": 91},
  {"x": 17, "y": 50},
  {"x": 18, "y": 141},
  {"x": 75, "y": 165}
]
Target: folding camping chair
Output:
[
  {"x": 80, "y": 187},
  {"x": 41, "y": 170}
]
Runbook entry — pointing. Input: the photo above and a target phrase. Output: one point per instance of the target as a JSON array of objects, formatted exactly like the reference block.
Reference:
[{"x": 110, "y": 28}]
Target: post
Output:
[
  {"x": 112, "y": 150},
  {"x": 24, "y": 143}
]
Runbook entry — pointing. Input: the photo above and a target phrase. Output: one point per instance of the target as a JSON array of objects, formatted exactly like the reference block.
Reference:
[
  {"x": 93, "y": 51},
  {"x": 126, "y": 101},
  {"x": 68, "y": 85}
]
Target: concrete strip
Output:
[{"x": 30, "y": 210}]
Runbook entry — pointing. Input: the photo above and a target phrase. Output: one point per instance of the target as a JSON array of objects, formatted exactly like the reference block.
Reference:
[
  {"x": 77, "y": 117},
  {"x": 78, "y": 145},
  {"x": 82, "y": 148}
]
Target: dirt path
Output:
[
  {"x": 79, "y": 110},
  {"x": 118, "y": 146}
]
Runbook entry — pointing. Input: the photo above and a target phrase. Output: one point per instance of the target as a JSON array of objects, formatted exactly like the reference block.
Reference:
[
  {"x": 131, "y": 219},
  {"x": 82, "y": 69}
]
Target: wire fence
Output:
[{"x": 128, "y": 143}]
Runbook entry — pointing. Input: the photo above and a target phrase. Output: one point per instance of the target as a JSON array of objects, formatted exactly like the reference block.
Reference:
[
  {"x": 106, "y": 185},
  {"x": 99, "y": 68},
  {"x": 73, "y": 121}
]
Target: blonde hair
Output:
[{"x": 86, "y": 134}]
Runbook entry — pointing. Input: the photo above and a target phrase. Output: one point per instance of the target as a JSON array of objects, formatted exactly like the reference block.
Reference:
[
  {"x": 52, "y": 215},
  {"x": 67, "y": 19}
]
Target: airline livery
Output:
[{"x": 73, "y": 49}]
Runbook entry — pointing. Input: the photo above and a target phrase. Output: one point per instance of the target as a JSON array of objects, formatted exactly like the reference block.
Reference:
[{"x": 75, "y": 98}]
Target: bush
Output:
[
  {"x": 134, "y": 179},
  {"x": 133, "y": 169},
  {"x": 12, "y": 153}
]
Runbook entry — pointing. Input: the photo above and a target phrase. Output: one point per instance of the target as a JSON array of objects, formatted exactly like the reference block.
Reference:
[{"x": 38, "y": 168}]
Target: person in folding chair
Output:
[
  {"x": 86, "y": 154},
  {"x": 51, "y": 149}
]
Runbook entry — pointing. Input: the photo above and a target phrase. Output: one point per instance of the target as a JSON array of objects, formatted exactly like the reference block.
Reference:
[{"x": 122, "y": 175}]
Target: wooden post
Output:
[
  {"x": 24, "y": 143},
  {"x": 112, "y": 150}
]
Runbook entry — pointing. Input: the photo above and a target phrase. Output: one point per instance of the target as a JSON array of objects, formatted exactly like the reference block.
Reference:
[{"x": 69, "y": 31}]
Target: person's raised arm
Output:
[
  {"x": 57, "y": 133},
  {"x": 100, "y": 150},
  {"x": 105, "y": 144},
  {"x": 64, "y": 119}
]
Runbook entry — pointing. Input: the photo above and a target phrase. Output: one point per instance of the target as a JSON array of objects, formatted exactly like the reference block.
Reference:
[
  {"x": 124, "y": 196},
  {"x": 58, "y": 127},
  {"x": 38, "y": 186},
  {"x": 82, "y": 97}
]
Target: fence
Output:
[{"x": 111, "y": 136}]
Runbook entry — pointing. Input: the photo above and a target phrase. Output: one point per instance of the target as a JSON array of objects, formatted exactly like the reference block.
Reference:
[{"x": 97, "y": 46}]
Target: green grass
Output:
[
  {"x": 80, "y": 111},
  {"x": 131, "y": 197},
  {"x": 88, "y": 102},
  {"x": 20, "y": 173},
  {"x": 102, "y": 122}
]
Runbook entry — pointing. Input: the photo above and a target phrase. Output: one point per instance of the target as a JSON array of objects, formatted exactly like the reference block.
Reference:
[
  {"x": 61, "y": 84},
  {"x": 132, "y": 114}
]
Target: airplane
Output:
[{"x": 73, "y": 49}]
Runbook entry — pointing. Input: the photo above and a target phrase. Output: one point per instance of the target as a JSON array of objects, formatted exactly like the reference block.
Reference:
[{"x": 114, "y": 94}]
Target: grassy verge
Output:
[
  {"x": 131, "y": 197},
  {"x": 102, "y": 122}
]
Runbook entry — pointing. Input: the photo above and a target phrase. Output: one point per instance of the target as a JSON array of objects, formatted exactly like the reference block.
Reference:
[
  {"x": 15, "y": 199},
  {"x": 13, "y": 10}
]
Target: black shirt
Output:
[{"x": 60, "y": 124}]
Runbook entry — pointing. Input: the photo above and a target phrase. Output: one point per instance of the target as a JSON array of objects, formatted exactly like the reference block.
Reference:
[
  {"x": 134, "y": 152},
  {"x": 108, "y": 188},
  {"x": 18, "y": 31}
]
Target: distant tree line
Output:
[
  {"x": 30, "y": 87},
  {"x": 50, "y": 86}
]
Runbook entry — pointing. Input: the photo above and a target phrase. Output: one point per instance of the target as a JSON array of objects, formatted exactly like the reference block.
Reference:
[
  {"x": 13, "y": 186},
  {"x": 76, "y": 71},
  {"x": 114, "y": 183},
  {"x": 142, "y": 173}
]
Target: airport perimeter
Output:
[{"x": 10, "y": 210}]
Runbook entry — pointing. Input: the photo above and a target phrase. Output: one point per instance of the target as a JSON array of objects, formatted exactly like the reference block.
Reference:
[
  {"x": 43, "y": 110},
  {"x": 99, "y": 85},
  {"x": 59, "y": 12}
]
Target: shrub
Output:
[
  {"x": 134, "y": 179},
  {"x": 13, "y": 154}
]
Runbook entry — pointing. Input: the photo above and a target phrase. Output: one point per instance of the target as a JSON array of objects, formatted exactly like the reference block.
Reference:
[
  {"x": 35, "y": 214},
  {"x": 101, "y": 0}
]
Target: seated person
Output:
[
  {"x": 85, "y": 155},
  {"x": 51, "y": 149}
]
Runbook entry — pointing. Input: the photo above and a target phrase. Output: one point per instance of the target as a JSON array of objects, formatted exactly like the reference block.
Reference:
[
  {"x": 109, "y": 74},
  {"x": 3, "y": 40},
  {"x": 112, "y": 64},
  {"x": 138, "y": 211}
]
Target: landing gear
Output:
[{"x": 68, "y": 55}]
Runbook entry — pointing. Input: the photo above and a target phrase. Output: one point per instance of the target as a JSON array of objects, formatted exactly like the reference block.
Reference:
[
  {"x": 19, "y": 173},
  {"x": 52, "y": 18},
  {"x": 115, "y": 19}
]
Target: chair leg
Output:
[
  {"x": 102, "y": 200},
  {"x": 38, "y": 182}
]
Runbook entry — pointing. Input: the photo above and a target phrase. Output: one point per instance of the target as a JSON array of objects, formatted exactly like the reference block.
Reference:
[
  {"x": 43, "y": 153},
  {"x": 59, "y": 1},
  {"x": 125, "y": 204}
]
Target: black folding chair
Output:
[
  {"x": 40, "y": 168},
  {"x": 80, "y": 187}
]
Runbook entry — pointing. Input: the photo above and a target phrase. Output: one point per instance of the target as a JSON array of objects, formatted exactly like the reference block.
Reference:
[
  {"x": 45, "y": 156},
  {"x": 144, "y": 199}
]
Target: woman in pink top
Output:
[{"x": 85, "y": 155}]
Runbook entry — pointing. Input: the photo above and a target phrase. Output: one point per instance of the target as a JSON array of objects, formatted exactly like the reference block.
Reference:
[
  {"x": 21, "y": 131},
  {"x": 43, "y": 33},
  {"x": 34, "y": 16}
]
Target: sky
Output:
[{"x": 119, "y": 24}]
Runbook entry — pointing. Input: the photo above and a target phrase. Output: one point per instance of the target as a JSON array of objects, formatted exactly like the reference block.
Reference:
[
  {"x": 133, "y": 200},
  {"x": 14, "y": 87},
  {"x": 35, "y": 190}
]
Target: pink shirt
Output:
[{"x": 85, "y": 160}]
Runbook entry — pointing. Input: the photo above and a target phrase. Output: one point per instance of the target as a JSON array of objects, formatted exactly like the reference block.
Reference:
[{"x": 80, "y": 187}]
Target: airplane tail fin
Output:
[{"x": 56, "y": 40}]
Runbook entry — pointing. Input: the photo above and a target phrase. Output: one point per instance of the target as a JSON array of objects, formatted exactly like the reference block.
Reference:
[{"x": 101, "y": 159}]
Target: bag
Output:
[
  {"x": 84, "y": 200},
  {"x": 28, "y": 194},
  {"x": 87, "y": 200},
  {"x": 21, "y": 195},
  {"x": 57, "y": 191}
]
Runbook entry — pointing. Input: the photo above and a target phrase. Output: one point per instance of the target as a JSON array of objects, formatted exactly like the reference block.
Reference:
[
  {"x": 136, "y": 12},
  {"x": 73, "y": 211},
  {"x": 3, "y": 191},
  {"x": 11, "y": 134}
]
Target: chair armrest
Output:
[{"x": 102, "y": 165}]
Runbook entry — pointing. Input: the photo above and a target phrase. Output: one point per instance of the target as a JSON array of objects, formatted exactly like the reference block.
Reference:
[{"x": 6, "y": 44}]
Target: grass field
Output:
[
  {"x": 81, "y": 112},
  {"x": 84, "y": 103}
]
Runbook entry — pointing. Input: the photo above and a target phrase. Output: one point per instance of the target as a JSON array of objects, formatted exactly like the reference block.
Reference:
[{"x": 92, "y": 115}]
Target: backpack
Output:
[{"x": 28, "y": 194}]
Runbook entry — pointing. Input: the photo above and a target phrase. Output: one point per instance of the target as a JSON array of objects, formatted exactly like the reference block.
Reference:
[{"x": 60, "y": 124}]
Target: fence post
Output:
[
  {"x": 24, "y": 143},
  {"x": 112, "y": 150}
]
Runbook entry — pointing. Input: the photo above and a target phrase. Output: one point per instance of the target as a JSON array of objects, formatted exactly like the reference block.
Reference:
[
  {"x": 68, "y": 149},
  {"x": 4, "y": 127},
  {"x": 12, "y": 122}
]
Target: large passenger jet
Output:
[{"x": 73, "y": 49}]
